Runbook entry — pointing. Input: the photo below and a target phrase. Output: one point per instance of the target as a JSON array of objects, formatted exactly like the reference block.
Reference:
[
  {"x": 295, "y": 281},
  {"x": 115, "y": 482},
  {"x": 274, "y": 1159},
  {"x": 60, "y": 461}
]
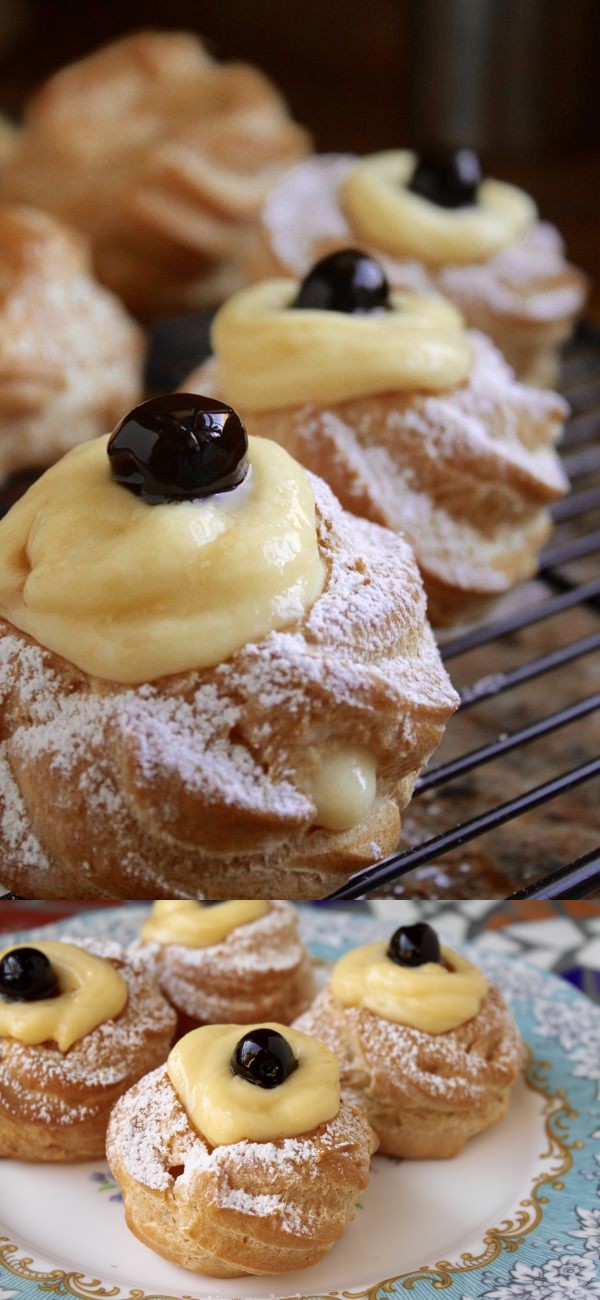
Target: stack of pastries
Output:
[
  {"x": 215, "y": 1140},
  {"x": 216, "y": 653}
]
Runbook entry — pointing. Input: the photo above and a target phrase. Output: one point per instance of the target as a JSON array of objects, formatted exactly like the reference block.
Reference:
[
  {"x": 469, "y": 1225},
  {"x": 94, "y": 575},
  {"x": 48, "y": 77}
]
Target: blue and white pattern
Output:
[{"x": 559, "y": 1257}]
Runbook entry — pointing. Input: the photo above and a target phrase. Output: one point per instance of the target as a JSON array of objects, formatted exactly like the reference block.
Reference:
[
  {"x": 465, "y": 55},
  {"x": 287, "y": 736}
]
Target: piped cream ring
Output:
[
  {"x": 226, "y": 1108},
  {"x": 431, "y": 997},
  {"x": 192, "y": 925},
  {"x": 271, "y": 356},
  {"x": 91, "y": 991},
  {"x": 387, "y": 216}
]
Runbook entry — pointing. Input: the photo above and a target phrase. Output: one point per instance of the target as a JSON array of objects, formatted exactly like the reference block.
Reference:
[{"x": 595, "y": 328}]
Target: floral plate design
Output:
[{"x": 515, "y": 1217}]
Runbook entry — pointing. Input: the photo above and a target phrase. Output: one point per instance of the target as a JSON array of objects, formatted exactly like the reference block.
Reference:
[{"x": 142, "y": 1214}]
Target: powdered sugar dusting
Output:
[
  {"x": 150, "y": 1138},
  {"x": 235, "y": 738},
  {"x": 43, "y": 1085}
]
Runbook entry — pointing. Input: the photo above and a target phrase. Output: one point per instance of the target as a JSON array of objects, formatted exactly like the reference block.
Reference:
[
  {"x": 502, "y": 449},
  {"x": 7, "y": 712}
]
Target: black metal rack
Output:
[{"x": 581, "y": 458}]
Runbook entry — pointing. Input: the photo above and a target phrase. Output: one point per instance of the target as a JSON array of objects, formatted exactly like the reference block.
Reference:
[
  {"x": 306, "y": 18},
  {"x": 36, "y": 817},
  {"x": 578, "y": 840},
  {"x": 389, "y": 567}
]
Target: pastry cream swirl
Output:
[
  {"x": 271, "y": 356},
  {"x": 90, "y": 992},
  {"x": 131, "y": 592},
  {"x": 388, "y": 216},
  {"x": 429, "y": 997},
  {"x": 192, "y": 925},
  {"x": 226, "y": 1108}
]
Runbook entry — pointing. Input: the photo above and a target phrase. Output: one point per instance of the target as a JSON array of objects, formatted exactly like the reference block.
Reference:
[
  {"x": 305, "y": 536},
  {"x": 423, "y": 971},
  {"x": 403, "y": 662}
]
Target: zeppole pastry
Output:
[
  {"x": 70, "y": 357},
  {"x": 423, "y": 1039},
  {"x": 439, "y": 226},
  {"x": 413, "y": 421},
  {"x": 238, "y": 961},
  {"x": 163, "y": 158},
  {"x": 79, "y": 1023},
  {"x": 224, "y": 684},
  {"x": 240, "y": 1156}
]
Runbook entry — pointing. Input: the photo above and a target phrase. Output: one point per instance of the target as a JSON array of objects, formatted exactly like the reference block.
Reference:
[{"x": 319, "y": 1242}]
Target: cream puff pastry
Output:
[
  {"x": 423, "y": 1039},
  {"x": 413, "y": 421},
  {"x": 438, "y": 226},
  {"x": 70, "y": 357},
  {"x": 79, "y": 1024},
  {"x": 240, "y": 1156},
  {"x": 163, "y": 158},
  {"x": 238, "y": 961},
  {"x": 213, "y": 681}
]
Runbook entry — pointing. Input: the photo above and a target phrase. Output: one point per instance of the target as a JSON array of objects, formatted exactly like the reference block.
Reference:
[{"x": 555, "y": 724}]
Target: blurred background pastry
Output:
[
  {"x": 438, "y": 224},
  {"x": 226, "y": 684},
  {"x": 163, "y": 158},
  {"x": 70, "y": 356},
  {"x": 238, "y": 961},
  {"x": 415, "y": 422}
]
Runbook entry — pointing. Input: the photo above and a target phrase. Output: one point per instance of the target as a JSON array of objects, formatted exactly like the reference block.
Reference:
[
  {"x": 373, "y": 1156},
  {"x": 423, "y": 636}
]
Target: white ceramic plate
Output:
[{"x": 515, "y": 1217}]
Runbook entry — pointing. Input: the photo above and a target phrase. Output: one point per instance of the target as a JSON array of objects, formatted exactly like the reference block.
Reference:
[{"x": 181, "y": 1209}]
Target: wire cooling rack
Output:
[
  {"x": 568, "y": 584},
  {"x": 545, "y": 641}
]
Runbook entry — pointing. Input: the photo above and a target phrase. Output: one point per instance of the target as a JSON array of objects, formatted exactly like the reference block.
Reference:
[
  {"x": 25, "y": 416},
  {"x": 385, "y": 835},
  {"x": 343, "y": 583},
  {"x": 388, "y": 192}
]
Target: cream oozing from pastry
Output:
[
  {"x": 343, "y": 788},
  {"x": 91, "y": 991},
  {"x": 388, "y": 216},
  {"x": 193, "y": 925},
  {"x": 432, "y": 997},
  {"x": 271, "y": 356},
  {"x": 131, "y": 592},
  {"x": 226, "y": 1108}
]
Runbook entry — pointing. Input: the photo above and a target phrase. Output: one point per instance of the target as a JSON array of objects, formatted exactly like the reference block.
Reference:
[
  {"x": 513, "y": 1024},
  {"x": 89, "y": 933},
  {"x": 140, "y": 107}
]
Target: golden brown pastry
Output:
[
  {"x": 477, "y": 242},
  {"x": 423, "y": 1039},
  {"x": 70, "y": 357},
  {"x": 414, "y": 422},
  {"x": 163, "y": 157},
  {"x": 273, "y": 1183},
  {"x": 238, "y": 961},
  {"x": 79, "y": 1023},
  {"x": 229, "y": 695}
]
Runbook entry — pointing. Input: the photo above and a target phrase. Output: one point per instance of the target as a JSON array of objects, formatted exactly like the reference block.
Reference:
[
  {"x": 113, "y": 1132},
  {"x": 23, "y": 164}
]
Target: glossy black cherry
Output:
[
  {"x": 347, "y": 281},
  {"x": 26, "y": 975},
  {"x": 264, "y": 1057},
  {"x": 179, "y": 447},
  {"x": 414, "y": 945},
  {"x": 447, "y": 177}
]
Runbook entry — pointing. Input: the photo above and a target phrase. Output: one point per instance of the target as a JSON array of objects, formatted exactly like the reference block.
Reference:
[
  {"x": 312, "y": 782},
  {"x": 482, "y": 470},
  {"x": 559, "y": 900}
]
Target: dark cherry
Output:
[
  {"x": 179, "y": 447},
  {"x": 447, "y": 177},
  {"x": 26, "y": 975},
  {"x": 414, "y": 945},
  {"x": 264, "y": 1056},
  {"x": 347, "y": 281}
]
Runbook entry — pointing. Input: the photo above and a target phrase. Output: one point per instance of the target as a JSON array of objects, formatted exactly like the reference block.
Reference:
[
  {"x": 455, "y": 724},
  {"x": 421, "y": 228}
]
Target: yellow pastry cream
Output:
[
  {"x": 226, "y": 1107},
  {"x": 271, "y": 356},
  {"x": 390, "y": 217},
  {"x": 193, "y": 925},
  {"x": 131, "y": 592},
  {"x": 344, "y": 786},
  {"x": 90, "y": 990},
  {"x": 432, "y": 997}
]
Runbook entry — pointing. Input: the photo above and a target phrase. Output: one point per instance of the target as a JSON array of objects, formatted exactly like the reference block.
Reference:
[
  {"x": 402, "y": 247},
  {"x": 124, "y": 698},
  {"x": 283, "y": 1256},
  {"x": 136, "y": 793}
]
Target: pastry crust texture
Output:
[
  {"x": 197, "y": 785},
  {"x": 55, "y": 1105},
  {"x": 526, "y": 298},
  {"x": 70, "y": 357},
  {"x": 167, "y": 201},
  {"x": 245, "y": 1208},
  {"x": 261, "y": 971},
  {"x": 425, "y": 1094},
  {"x": 465, "y": 475}
]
